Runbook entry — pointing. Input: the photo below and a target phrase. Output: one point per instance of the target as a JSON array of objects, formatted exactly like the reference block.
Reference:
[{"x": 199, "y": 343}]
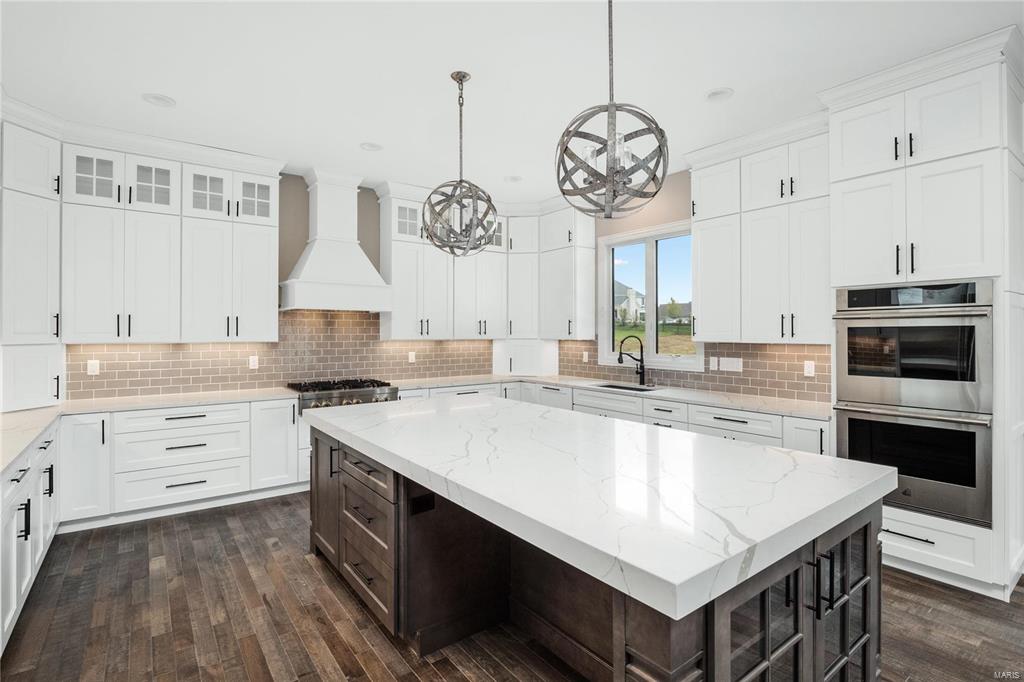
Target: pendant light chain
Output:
[
  {"x": 611, "y": 57},
  {"x": 461, "y": 102}
]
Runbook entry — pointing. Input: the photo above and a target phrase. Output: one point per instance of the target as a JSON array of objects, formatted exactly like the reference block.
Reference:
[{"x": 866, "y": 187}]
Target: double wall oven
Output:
[{"x": 914, "y": 391}]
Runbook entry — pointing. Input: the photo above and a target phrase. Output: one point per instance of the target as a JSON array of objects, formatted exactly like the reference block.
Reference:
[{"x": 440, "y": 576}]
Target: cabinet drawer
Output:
[
  {"x": 754, "y": 423},
  {"x": 171, "y": 485},
  {"x": 476, "y": 389},
  {"x": 663, "y": 410},
  {"x": 376, "y": 477},
  {"x": 368, "y": 520},
  {"x": 16, "y": 477},
  {"x": 734, "y": 435},
  {"x": 666, "y": 423},
  {"x": 611, "y": 414},
  {"x": 373, "y": 581},
  {"x": 608, "y": 401},
  {"x": 173, "y": 447},
  {"x": 937, "y": 543},
  {"x": 180, "y": 417}
]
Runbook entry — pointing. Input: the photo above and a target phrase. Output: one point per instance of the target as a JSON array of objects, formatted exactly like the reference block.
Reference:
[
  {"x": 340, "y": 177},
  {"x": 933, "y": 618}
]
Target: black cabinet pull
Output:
[
  {"x": 897, "y": 259},
  {"x": 119, "y": 194},
  {"x": 896, "y": 148},
  {"x": 570, "y": 327},
  {"x": 229, "y": 207},
  {"x": 19, "y": 479},
  {"x": 361, "y": 575},
  {"x": 782, "y": 188},
  {"x": 912, "y": 265},
  {"x": 228, "y": 321},
  {"x": 129, "y": 324},
  {"x": 56, "y": 394},
  {"x": 366, "y": 468},
  {"x": 791, "y": 185},
  {"x": 362, "y": 517},
  {"x": 667, "y": 426},
  {"x": 816, "y": 598},
  {"x": 129, "y": 194},
  {"x": 910, "y": 146},
  {"x": 118, "y": 323},
  {"x": 479, "y": 327},
  {"x": 185, "y": 447},
  {"x": 57, "y": 188},
  {"x": 485, "y": 327},
  {"x": 467, "y": 392},
  {"x": 729, "y": 419},
  {"x": 693, "y": 208},
  {"x": 103, "y": 432},
  {"x": 662, "y": 409},
  {"x": 236, "y": 325},
  {"x": 792, "y": 325},
  {"x": 421, "y": 327},
  {"x": 551, "y": 388},
  {"x": 293, "y": 413},
  {"x": 49, "y": 488},
  {"x": 184, "y": 416},
  {"x": 57, "y": 318},
  {"x": 26, "y": 507},
  {"x": 428, "y": 326},
  {"x": 236, "y": 209},
  {"x": 181, "y": 485},
  {"x": 510, "y": 365},
  {"x": 330, "y": 461},
  {"x": 570, "y": 236},
  {"x": 821, "y": 441},
  {"x": 909, "y": 537},
  {"x": 831, "y": 556},
  {"x": 510, "y": 327},
  {"x": 782, "y": 324}
]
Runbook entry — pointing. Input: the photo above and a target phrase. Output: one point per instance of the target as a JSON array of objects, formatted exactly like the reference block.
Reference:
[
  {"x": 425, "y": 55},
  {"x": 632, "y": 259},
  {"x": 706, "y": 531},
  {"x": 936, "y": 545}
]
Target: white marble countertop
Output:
[
  {"x": 806, "y": 409},
  {"x": 672, "y": 518}
]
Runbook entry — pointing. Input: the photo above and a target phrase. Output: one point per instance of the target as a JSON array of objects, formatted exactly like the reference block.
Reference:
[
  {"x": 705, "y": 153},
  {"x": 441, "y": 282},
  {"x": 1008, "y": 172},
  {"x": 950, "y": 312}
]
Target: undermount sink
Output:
[{"x": 624, "y": 387}]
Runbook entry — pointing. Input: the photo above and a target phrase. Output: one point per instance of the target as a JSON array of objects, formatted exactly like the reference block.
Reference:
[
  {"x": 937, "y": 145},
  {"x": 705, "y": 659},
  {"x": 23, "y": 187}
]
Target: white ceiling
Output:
[{"x": 307, "y": 83}]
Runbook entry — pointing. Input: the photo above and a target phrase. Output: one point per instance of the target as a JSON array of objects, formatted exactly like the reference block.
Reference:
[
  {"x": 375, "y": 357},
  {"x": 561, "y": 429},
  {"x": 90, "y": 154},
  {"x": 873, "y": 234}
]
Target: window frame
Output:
[{"x": 649, "y": 237}]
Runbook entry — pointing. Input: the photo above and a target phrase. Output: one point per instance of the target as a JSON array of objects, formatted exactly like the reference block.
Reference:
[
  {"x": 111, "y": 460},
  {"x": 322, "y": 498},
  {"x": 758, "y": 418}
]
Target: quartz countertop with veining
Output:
[{"x": 672, "y": 518}]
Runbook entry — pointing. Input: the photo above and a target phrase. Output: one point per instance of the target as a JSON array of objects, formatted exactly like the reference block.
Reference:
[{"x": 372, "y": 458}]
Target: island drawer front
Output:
[
  {"x": 937, "y": 543},
  {"x": 373, "y": 581},
  {"x": 376, "y": 477},
  {"x": 368, "y": 521},
  {"x": 662, "y": 409},
  {"x": 667, "y": 423},
  {"x": 755, "y": 423},
  {"x": 140, "y": 450},
  {"x": 172, "y": 485},
  {"x": 608, "y": 401},
  {"x": 180, "y": 417},
  {"x": 607, "y": 413},
  {"x": 734, "y": 435}
]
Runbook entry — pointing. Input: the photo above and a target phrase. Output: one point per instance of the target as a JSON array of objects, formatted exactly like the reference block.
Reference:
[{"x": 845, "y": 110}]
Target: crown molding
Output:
[
  {"x": 1005, "y": 44},
  {"x": 797, "y": 129},
  {"x": 317, "y": 177},
  {"x": 398, "y": 190},
  {"x": 26, "y": 115}
]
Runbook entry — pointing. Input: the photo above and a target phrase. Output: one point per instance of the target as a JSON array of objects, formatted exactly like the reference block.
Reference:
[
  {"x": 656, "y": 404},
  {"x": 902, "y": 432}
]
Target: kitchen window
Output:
[{"x": 645, "y": 289}]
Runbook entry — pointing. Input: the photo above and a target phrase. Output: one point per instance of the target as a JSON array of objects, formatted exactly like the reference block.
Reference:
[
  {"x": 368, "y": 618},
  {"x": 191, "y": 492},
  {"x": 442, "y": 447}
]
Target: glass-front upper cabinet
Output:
[
  {"x": 255, "y": 199},
  {"x": 207, "y": 192},
  {"x": 93, "y": 176},
  {"x": 154, "y": 185}
]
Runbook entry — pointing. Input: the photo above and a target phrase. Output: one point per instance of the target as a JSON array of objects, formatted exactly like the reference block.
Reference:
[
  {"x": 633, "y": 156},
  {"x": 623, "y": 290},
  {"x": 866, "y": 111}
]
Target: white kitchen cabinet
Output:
[
  {"x": 554, "y": 396},
  {"x": 868, "y": 226},
  {"x": 811, "y": 300},
  {"x": 867, "y": 138},
  {"x": 413, "y": 393},
  {"x": 716, "y": 279},
  {"x": 256, "y": 199},
  {"x": 32, "y": 376},
  {"x": 955, "y": 217},
  {"x": 480, "y": 296},
  {"x": 472, "y": 389},
  {"x": 92, "y": 176},
  {"x": 254, "y": 282},
  {"x": 610, "y": 414},
  {"x": 206, "y": 192},
  {"x": 421, "y": 277},
  {"x": 529, "y": 393},
  {"x": 30, "y": 264},
  {"x": 523, "y": 280},
  {"x": 764, "y": 178},
  {"x": 436, "y": 287},
  {"x": 274, "y": 443},
  {"x": 402, "y": 218},
  {"x": 15, "y": 555},
  {"x": 511, "y": 391},
  {"x": 807, "y": 435},
  {"x": 524, "y": 357},
  {"x": 734, "y": 435},
  {"x": 92, "y": 275},
  {"x": 954, "y": 115},
  {"x": 523, "y": 232},
  {"x": 31, "y": 162},
  {"x": 715, "y": 190},
  {"x": 765, "y": 275},
  {"x": 46, "y": 515},
  {"x": 206, "y": 280},
  {"x": 85, "y": 466},
  {"x": 153, "y": 184},
  {"x": 566, "y": 294},
  {"x": 152, "y": 277},
  {"x": 498, "y": 241},
  {"x": 808, "y": 168},
  {"x": 565, "y": 227}
]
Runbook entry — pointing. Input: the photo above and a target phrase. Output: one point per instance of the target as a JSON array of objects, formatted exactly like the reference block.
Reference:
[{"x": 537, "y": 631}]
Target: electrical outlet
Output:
[
  {"x": 808, "y": 368},
  {"x": 713, "y": 363},
  {"x": 254, "y": 362},
  {"x": 586, "y": 356},
  {"x": 730, "y": 364},
  {"x": 92, "y": 367},
  {"x": 412, "y": 356}
]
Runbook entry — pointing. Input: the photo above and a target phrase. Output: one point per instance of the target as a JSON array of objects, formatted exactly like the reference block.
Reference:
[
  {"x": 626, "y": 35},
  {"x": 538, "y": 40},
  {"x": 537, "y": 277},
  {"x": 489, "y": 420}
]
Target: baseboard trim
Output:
[{"x": 171, "y": 510}]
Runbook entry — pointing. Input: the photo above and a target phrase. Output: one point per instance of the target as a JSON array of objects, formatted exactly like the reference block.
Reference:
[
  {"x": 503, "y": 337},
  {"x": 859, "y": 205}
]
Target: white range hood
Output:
[{"x": 333, "y": 272}]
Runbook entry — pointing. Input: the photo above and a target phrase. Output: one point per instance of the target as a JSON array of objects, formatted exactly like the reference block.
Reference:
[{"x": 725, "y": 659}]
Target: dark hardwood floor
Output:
[{"x": 232, "y": 593}]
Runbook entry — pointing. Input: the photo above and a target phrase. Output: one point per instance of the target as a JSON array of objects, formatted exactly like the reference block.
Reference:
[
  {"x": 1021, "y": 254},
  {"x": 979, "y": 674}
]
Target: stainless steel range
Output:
[{"x": 343, "y": 392}]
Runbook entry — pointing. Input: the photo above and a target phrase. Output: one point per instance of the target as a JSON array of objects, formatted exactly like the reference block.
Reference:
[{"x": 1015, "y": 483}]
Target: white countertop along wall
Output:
[{"x": 672, "y": 518}]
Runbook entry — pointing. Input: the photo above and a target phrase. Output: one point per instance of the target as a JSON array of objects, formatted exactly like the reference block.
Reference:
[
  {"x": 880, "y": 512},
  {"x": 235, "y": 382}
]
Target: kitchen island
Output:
[{"x": 628, "y": 550}]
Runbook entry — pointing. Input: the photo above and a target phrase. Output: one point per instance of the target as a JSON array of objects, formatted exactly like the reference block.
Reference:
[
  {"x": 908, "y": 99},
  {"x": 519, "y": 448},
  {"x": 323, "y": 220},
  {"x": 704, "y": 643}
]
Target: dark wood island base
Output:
[{"x": 434, "y": 573}]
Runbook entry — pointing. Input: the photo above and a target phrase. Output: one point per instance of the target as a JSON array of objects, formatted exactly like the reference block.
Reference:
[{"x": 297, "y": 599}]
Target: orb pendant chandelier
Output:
[
  {"x": 458, "y": 216},
  {"x": 612, "y": 158}
]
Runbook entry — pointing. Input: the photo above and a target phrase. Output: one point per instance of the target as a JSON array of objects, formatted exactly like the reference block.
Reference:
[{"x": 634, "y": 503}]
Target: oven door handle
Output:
[
  {"x": 904, "y": 314},
  {"x": 973, "y": 421}
]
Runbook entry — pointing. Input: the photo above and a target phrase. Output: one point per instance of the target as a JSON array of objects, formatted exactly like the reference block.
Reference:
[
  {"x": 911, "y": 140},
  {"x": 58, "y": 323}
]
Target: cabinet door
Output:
[
  {"x": 153, "y": 184},
  {"x": 325, "y": 504},
  {"x": 49, "y": 502},
  {"x": 811, "y": 299},
  {"x": 274, "y": 442},
  {"x": 33, "y": 376},
  {"x": 716, "y": 279},
  {"x": 806, "y": 435},
  {"x": 436, "y": 292},
  {"x": 868, "y": 226},
  {"x": 555, "y": 281},
  {"x": 554, "y": 396},
  {"x": 511, "y": 391},
  {"x": 955, "y": 217},
  {"x": 405, "y": 219},
  {"x": 12, "y": 520},
  {"x": 93, "y": 275},
  {"x": 529, "y": 393},
  {"x": 522, "y": 234},
  {"x": 85, "y": 468},
  {"x": 584, "y": 294},
  {"x": 152, "y": 277},
  {"x": 554, "y": 230},
  {"x": 406, "y": 321},
  {"x": 92, "y": 176},
  {"x": 30, "y": 262},
  {"x": 31, "y": 162},
  {"x": 206, "y": 192},
  {"x": 206, "y": 280},
  {"x": 955, "y": 115},
  {"x": 867, "y": 138},
  {"x": 715, "y": 190},
  {"x": 492, "y": 293},
  {"x": 255, "y": 288},
  {"x": 764, "y": 178},
  {"x": 522, "y": 295},
  {"x": 498, "y": 240},
  {"x": 808, "y": 168},
  {"x": 765, "y": 275},
  {"x": 467, "y": 322},
  {"x": 255, "y": 199}
]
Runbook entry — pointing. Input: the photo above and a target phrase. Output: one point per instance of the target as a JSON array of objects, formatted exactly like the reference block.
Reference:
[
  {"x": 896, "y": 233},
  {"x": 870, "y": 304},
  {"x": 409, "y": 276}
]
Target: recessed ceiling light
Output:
[
  {"x": 513, "y": 178},
  {"x": 370, "y": 147},
  {"x": 719, "y": 94},
  {"x": 158, "y": 100}
]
